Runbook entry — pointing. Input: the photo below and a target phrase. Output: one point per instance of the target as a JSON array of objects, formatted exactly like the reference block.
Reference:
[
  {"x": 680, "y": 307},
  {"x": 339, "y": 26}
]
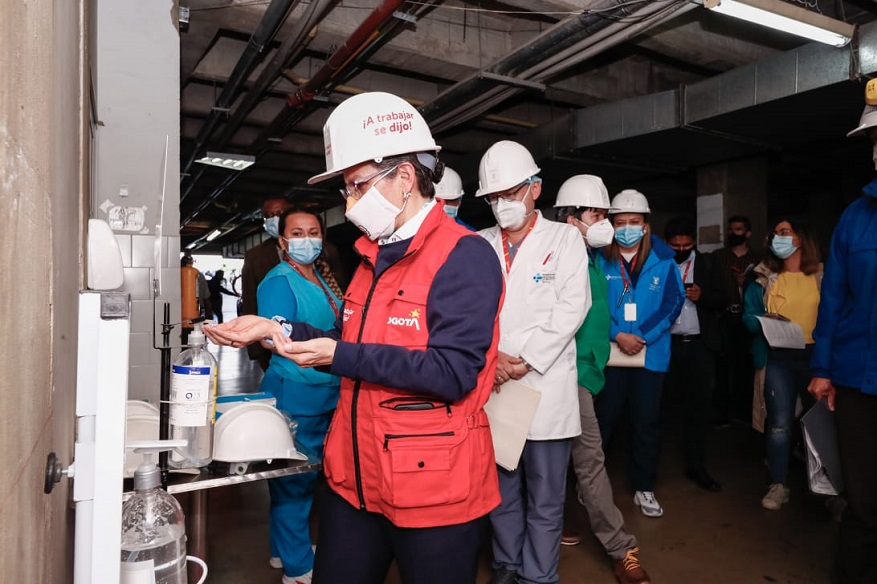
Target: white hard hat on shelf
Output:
[
  {"x": 629, "y": 201},
  {"x": 505, "y": 164},
  {"x": 450, "y": 188},
  {"x": 253, "y": 431},
  {"x": 372, "y": 126},
  {"x": 866, "y": 122},
  {"x": 583, "y": 190}
]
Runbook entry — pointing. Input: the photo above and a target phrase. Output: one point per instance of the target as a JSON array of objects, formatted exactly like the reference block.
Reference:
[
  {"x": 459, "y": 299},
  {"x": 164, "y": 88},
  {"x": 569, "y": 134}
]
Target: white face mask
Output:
[
  {"x": 374, "y": 215},
  {"x": 272, "y": 226},
  {"x": 511, "y": 214},
  {"x": 600, "y": 234}
]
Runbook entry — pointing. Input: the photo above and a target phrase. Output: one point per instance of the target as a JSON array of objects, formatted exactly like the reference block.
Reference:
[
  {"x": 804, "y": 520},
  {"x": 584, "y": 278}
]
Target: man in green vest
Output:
[{"x": 582, "y": 202}]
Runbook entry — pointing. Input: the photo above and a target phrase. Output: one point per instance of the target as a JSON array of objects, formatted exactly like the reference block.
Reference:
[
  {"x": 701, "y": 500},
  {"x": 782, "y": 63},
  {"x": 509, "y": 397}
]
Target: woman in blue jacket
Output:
[
  {"x": 645, "y": 297},
  {"x": 301, "y": 288}
]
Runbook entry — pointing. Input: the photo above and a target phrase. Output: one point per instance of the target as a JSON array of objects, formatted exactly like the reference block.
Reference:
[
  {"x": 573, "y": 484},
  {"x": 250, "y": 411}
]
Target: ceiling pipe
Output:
[
  {"x": 303, "y": 29},
  {"x": 271, "y": 22},
  {"x": 615, "y": 33}
]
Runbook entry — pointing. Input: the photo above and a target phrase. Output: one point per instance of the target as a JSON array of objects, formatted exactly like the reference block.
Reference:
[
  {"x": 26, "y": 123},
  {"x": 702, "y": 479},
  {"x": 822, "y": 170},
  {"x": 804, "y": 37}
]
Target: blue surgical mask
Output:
[
  {"x": 629, "y": 235},
  {"x": 272, "y": 226},
  {"x": 451, "y": 211},
  {"x": 782, "y": 247},
  {"x": 304, "y": 250}
]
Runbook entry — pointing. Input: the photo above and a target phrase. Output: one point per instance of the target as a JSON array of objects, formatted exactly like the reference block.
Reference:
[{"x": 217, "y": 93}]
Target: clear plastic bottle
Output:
[
  {"x": 193, "y": 403},
  {"x": 153, "y": 531}
]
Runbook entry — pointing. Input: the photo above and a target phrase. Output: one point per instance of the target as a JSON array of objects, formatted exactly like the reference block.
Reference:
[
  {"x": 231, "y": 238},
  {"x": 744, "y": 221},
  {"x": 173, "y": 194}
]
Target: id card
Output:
[{"x": 629, "y": 312}]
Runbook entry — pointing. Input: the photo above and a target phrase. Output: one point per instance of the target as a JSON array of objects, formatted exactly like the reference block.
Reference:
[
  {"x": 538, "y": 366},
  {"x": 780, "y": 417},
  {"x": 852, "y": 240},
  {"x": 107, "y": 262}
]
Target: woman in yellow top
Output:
[{"x": 787, "y": 288}]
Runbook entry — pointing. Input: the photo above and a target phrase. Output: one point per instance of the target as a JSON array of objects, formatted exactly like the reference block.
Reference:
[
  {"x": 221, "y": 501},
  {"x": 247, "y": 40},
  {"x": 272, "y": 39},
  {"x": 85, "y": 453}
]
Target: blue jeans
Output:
[
  {"x": 641, "y": 390},
  {"x": 785, "y": 379}
]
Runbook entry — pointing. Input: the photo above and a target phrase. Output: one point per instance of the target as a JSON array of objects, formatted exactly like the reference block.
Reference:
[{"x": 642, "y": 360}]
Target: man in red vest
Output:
[{"x": 409, "y": 459}]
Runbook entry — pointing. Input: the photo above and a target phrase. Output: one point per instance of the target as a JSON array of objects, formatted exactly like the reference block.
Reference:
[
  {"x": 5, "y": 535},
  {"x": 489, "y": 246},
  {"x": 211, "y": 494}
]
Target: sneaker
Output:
[
  {"x": 276, "y": 563},
  {"x": 648, "y": 504},
  {"x": 303, "y": 579},
  {"x": 570, "y": 537},
  {"x": 628, "y": 570},
  {"x": 777, "y": 496}
]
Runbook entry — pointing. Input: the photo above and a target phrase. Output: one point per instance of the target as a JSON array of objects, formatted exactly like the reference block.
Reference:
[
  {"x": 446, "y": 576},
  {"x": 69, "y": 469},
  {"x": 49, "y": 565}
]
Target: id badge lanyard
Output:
[{"x": 627, "y": 291}]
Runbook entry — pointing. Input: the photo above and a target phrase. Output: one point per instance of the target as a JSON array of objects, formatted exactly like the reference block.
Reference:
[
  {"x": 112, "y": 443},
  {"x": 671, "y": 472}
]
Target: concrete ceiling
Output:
[{"x": 433, "y": 56}]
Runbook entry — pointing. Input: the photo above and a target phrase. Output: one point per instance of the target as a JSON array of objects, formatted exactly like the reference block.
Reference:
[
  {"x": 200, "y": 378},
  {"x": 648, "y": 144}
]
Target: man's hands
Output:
[
  {"x": 249, "y": 328},
  {"x": 693, "y": 292},
  {"x": 821, "y": 387},
  {"x": 629, "y": 343},
  {"x": 508, "y": 367}
]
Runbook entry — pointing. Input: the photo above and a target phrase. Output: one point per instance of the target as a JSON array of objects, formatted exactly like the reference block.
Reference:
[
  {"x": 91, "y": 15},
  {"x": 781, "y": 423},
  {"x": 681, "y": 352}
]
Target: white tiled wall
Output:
[{"x": 138, "y": 258}]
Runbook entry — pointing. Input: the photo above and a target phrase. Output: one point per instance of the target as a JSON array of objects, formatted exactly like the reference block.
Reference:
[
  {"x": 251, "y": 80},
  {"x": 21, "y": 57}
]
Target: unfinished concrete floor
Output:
[{"x": 720, "y": 538}]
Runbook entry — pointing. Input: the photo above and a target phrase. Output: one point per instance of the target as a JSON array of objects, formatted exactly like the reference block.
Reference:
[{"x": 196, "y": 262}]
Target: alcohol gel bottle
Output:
[
  {"x": 193, "y": 403},
  {"x": 153, "y": 530}
]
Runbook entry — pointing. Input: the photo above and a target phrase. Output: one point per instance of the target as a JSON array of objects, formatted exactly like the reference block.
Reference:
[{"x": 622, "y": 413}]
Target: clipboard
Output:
[
  {"x": 823, "y": 459},
  {"x": 511, "y": 412}
]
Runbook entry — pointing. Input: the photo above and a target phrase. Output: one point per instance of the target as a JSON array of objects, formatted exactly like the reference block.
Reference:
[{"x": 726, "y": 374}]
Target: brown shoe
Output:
[
  {"x": 628, "y": 570},
  {"x": 570, "y": 537}
]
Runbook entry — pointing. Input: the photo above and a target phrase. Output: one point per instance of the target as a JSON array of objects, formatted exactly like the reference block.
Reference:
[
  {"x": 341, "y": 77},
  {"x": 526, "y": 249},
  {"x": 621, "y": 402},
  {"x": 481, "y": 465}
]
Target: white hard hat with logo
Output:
[
  {"x": 629, "y": 201},
  {"x": 866, "y": 122},
  {"x": 505, "y": 164},
  {"x": 583, "y": 190},
  {"x": 253, "y": 431},
  {"x": 450, "y": 188},
  {"x": 370, "y": 127}
]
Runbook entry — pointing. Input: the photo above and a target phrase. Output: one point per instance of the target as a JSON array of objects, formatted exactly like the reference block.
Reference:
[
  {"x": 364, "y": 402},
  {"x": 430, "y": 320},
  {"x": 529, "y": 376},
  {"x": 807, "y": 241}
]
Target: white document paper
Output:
[
  {"x": 618, "y": 358},
  {"x": 781, "y": 334},
  {"x": 510, "y": 413}
]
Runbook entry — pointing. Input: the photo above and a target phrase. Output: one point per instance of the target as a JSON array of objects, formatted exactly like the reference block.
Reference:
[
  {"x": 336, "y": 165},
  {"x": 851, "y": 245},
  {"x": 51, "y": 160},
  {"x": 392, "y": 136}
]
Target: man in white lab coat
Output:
[{"x": 547, "y": 297}]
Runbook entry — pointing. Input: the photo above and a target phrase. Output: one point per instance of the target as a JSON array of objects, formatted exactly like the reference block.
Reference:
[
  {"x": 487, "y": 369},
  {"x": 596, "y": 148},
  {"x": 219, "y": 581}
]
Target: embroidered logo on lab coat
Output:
[
  {"x": 546, "y": 278},
  {"x": 413, "y": 320}
]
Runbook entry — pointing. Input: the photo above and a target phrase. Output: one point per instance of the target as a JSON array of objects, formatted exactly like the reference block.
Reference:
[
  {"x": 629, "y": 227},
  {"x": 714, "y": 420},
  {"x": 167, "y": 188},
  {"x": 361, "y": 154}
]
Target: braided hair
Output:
[{"x": 320, "y": 263}]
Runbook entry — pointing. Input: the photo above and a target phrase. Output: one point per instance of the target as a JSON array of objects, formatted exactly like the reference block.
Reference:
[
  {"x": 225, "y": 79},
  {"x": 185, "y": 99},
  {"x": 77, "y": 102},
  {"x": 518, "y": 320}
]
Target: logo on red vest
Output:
[{"x": 412, "y": 320}]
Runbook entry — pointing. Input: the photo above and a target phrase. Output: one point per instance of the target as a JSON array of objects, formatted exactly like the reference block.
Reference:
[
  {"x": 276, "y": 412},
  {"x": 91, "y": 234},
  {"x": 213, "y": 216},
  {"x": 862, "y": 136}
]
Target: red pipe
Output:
[{"x": 359, "y": 39}]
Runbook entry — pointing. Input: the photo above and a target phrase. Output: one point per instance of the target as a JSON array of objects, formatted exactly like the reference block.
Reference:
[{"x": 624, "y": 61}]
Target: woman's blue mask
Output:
[
  {"x": 628, "y": 235},
  {"x": 304, "y": 250},
  {"x": 782, "y": 246}
]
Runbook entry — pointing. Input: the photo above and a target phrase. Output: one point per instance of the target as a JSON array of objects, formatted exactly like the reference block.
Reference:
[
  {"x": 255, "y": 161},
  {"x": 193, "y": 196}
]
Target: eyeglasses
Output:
[
  {"x": 352, "y": 189},
  {"x": 507, "y": 195}
]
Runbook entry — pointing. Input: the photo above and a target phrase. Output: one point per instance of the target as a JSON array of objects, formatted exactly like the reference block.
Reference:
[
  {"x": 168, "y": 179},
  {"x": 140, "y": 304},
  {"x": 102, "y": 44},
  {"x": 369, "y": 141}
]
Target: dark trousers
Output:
[
  {"x": 856, "y": 416},
  {"x": 641, "y": 389},
  {"x": 691, "y": 380},
  {"x": 734, "y": 371},
  {"x": 357, "y": 547}
]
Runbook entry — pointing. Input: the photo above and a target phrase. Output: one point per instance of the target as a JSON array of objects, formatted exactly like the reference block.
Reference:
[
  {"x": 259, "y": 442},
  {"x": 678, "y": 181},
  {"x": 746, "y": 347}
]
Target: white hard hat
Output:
[
  {"x": 866, "y": 122},
  {"x": 583, "y": 190},
  {"x": 629, "y": 201},
  {"x": 450, "y": 188},
  {"x": 253, "y": 431},
  {"x": 372, "y": 126},
  {"x": 505, "y": 164}
]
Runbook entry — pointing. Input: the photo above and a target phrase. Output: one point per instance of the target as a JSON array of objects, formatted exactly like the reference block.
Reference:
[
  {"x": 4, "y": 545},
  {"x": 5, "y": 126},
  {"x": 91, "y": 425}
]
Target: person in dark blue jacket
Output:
[
  {"x": 844, "y": 367},
  {"x": 645, "y": 297}
]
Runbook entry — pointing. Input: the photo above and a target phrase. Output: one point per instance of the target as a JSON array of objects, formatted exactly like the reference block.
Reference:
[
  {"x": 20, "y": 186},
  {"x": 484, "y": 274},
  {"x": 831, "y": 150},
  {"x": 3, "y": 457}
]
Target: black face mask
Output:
[
  {"x": 682, "y": 255},
  {"x": 735, "y": 239}
]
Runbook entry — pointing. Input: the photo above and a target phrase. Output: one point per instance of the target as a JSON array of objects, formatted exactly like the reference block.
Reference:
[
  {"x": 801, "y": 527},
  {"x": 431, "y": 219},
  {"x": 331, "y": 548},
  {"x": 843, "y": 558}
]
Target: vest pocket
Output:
[{"x": 423, "y": 470}]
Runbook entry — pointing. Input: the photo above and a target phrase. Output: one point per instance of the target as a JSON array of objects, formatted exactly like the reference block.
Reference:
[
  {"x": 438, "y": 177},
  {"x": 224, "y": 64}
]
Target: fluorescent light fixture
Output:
[
  {"x": 192, "y": 245},
  {"x": 787, "y": 17},
  {"x": 229, "y": 161},
  {"x": 214, "y": 234}
]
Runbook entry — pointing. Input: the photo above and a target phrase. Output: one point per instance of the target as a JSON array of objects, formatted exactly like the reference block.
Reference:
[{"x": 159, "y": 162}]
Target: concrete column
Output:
[{"x": 728, "y": 189}]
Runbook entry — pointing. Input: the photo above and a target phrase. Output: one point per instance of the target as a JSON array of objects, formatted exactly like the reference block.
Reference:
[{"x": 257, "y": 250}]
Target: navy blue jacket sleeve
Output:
[{"x": 461, "y": 307}]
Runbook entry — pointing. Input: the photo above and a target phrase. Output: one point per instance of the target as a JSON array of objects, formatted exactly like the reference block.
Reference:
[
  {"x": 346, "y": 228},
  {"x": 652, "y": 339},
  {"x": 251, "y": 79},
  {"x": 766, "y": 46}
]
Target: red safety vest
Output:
[{"x": 417, "y": 467}]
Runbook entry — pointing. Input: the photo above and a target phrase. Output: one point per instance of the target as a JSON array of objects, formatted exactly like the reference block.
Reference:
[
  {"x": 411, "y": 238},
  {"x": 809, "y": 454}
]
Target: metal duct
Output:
[{"x": 271, "y": 22}]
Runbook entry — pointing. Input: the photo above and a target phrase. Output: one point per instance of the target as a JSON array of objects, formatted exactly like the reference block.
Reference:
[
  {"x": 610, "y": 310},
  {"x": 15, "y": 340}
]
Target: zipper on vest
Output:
[
  {"x": 357, "y": 471},
  {"x": 388, "y": 437}
]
